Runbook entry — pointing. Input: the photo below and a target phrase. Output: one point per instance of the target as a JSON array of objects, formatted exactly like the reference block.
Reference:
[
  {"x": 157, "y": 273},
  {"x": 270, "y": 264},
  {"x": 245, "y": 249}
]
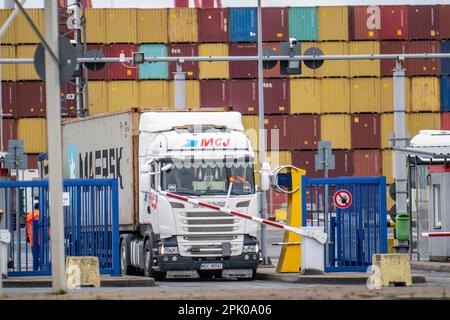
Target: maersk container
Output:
[
  {"x": 445, "y": 94},
  {"x": 243, "y": 24},
  {"x": 154, "y": 70},
  {"x": 303, "y": 24}
]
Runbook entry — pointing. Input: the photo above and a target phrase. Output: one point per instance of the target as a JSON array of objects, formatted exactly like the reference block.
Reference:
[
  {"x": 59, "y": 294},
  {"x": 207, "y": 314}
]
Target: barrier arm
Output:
[
  {"x": 435, "y": 234},
  {"x": 319, "y": 236}
]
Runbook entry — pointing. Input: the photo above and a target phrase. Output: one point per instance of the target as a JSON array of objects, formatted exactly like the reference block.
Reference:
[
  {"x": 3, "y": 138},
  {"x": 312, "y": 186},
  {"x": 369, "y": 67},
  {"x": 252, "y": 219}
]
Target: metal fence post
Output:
[
  {"x": 115, "y": 227},
  {"x": 383, "y": 215}
]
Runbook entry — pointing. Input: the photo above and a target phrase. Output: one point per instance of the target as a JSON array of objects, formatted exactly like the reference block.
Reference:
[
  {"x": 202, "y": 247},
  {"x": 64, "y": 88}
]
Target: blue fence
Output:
[
  {"x": 90, "y": 224},
  {"x": 356, "y": 232}
]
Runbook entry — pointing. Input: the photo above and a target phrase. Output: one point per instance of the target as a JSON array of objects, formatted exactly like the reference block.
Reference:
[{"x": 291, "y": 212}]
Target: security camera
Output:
[{"x": 292, "y": 42}]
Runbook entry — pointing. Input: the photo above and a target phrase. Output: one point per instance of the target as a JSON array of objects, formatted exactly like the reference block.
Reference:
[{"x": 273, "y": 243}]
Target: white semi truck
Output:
[{"x": 193, "y": 154}]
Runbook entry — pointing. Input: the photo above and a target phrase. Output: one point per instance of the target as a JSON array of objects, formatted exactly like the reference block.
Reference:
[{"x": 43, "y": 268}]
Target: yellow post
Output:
[{"x": 290, "y": 257}]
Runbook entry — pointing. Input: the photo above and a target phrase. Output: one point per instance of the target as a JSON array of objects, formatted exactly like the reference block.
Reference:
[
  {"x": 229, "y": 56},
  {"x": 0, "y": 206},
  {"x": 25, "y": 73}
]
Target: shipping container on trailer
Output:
[
  {"x": 103, "y": 73},
  {"x": 364, "y": 68},
  {"x": 365, "y": 95},
  {"x": 391, "y": 47},
  {"x": 153, "y": 94},
  {"x": 304, "y": 131},
  {"x": 152, "y": 26},
  {"x": 24, "y": 32},
  {"x": 33, "y": 132},
  {"x": 121, "y": 70},
  {"x": 213, "y": 25},
  {"x": 425, "y": 94},
  {"x": 95, "y": 26},
  {"x": 10, "y": 35},
  {"x": 184, "y": 50},
  {"x": 445, "y": 121},
  {"x": 243, "y": 24},
  {"x": 366, "y": 131},
  {"x": 387, "y": 94},
  {"x": 182, "y": 25},
  {"x": 444, "y": 18},
  {"x": 335, "y": 96},
  {"x": 214, "y": 93},
  {"x": 386, "y": 167},
  {"x": 305, "y": 96},
  {"x": 31, "y": 99},
  {"x": 26, "y": 71},
  {"x": 444, "y": 64},
  {"x": 213, "y": 70},
  {"x": 154, "y": 70},
  {"x": 275, "y": 25},
  {"x": 394, "y": 23},
  {"x": 121, "y": 25},
  {"x": 422, "y": 67},
  {"x": 423, "y": 22},
  {"x": 244, "y": 96},
  {"x": 8, "y": 70},
  {"x": 9, "y": 99},
  {"x": 303, "y": 23},
  {"x": 243, "y": 69},
  {"x": 364, "y": 22},
  {"x": 333, "y": 23},
  {"x": 445, "y": 94},
  {"x": 9, "y": 127},
  {"x": 98, "y": 97},
  {"x": 192, "y": 94},
  {"x": 277, "y": 132},
  {"x": 366, "y": 163},
  {"x": 337, "y": 129},
  {"x": 122, "y": 95}
]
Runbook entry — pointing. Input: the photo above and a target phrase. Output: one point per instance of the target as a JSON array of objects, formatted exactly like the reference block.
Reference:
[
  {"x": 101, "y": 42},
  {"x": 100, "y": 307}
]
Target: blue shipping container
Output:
[
  {"x": 445, "y": 63},
  {"x": 445, "y": 94},
  {"x": 154, "y": 70},
  {"x": 243, "y": 24},
  {"x": 303, "y": 24}
]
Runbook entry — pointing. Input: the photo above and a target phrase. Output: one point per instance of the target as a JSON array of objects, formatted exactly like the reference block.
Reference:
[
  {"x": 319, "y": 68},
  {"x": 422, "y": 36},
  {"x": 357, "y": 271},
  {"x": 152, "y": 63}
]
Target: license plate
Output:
[{"x": 211, "y": 266}]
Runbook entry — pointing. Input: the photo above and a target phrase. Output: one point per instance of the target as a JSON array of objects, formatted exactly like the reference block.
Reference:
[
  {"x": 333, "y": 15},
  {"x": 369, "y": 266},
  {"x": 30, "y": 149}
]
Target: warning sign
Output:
[{"x": 342, "y": 199}]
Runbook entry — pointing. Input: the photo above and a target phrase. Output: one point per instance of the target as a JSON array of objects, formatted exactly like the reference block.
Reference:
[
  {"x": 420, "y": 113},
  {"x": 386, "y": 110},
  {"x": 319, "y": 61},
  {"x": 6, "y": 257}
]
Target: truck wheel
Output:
[
  {"x": 125, "y": 264},
  {"x": 148, "y": 262}
]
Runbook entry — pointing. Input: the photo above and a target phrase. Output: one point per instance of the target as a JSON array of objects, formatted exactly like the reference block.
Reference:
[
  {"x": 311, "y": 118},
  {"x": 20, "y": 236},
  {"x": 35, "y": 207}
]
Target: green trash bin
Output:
[{"x": 402, "y": 226}]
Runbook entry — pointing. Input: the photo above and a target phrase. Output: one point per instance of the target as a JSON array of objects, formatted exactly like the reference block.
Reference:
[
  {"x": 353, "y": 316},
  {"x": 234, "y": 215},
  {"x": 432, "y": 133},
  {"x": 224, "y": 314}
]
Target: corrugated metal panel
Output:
[
  {"x": 365, "y": 22},
  {"x": 365, "y": 95},
  {"x": 213, "y": 70},
  {"x": 422, "y": 121},
  {"x": 307, "y": 72},
  {"x": 251, "y": 127},
  {"x": 182, "y": 25},
  {"x": 24, "y": 32},
  {"x": 445, "y": 63},
  {"x": 98, "y": 97},
  {"x": 303, "y": 132},
  {"x": 277, "y": 132},
  {"x": 10, "y": 35},
  {"x": 26, "y": 71},
  {"x": 275, "y": 158},
  {"x": 366, "y": 131},
  {"x": 425, "y": 94},
  {"x": 333, "y": 23},
  {"x": 158, "y": 70},
  {"x": 122, "y": 95},
  {"x": 364, "y": 68},
  {"x": 244, "y": 96},
  {"x": 394, "y": 23},
  {"x": 31, "y": 99},
  {"x": 366, "y": 163},
  {"x": 9, "y": 127},
  {"x": 422, "y": 67},
  {"x": 387, "y": 166},
  {"x": 184, "y": 50},
  {"x": 335, "y": 96},
  {"x": 306, "y": 160},
  {"x": 121, "y": 70},
  {"x": 103, "y": 73},
  {"x": 275, "y": 24},
  {"x": 8, "y": 70},
  {"x": 343, "y": 164},
  {"x": 214, "y": 93},
  {"x": 192, "y": 94},
  {"x": 303, "y": 24},
  {"x": 390, "y": 47},
  {"x": 305, "y": 96},
  {"x": 213, "y": 25},
  {"x": 334, "y": 68},
  {"x": 32, "y": 161},
  {"x": 243, "y": 23},
  {"x": 33, "y": 132},
  {"x": 153, "y": 94},
  {"x": 95, "y": 25},
  {"x": 275, "y": 71},
  {"x": 68, "y": 100},
  {"x": 387, "y": 127},
  {"x": 241, "y": 69},
  {"x": 336, "y": 128},
  {"x": 445, "y": 94},
  {"x": 152, "y": 26},
  {"x": 276, "y": 96},
  {"x": 9, "y": 98},
  {"x": 445, "y": 121},
  {"x": 423, "y": 22},
  {"x": 444, "y": 18},
  {"x": 387, "y": 94},
  {"x": 121, "y": 25}
]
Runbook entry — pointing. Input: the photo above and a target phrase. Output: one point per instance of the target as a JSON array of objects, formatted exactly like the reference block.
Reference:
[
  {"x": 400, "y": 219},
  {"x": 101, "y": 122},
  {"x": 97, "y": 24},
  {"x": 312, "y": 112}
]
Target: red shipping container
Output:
[
  {"x": 343, "y": 164},
  {"x": 390, "y": 47},
  {"x": 32, "y": 160},
  {"x": 365, "y": 22},
  {"x": 63, "y": 18},
  {"x": 422, "y": 67},
  {"x": 9, "y": 132},
  {"x": 423, "y": 22},
  {"x": 275, "y": 71},
  {"x": 306, "y": 160},
  {"x": 277, "y": 132},
  {"x": 366, "y": 131},
  {"x": 214, "y": 93},
  {"x": 394, "y": 23},
  {"x": 103, "y": 73},
  {"x": 9, "y": 99},
  {"x": 444, "y": 21},
  {"x": 445, "y": 121},
  {"x": 184, "y": 50},
  {"x": 213, "y": 25},
  {"x": 68, "y": 100},
  {"x": 276, "y": 96},
  {"x": 243, "y": 69},
  {"x": 304, "y": 132},
  {"x": 181, "y": 3},
  {"x": 275, "y": 24},
  {"x": 31, "y": 99},
  {"x": 367, "y": 163},
  {"x": 121, "y": 70},
  {"x": 244, "y": 96}
]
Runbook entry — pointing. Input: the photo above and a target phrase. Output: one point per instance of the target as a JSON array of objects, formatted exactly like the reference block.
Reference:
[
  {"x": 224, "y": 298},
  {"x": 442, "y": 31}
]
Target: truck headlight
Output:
[
  {"x": 251, "y": 248},
  {"x": 167, "y": 250}
]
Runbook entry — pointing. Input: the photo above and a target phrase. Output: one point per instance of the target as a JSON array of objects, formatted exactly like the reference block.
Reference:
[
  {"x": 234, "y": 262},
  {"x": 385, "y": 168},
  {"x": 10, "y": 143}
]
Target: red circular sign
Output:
[{"x": 342, "y": 199}]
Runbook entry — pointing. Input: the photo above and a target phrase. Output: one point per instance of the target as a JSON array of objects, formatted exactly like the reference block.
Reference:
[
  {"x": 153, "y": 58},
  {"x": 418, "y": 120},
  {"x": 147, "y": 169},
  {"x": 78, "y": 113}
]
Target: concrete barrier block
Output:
[
  {"x": 391, "y": 268},
  {"x": 82, "y": 271}
]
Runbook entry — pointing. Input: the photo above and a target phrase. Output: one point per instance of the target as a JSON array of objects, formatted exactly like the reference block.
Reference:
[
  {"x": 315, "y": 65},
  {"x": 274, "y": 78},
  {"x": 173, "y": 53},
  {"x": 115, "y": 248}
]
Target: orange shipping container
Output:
[{"x": 367, "y": 163}]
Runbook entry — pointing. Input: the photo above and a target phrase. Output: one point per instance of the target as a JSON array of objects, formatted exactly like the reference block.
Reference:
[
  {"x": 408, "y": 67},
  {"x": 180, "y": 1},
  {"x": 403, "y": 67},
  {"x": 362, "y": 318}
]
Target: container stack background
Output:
[{"x": 349, "y": 103}]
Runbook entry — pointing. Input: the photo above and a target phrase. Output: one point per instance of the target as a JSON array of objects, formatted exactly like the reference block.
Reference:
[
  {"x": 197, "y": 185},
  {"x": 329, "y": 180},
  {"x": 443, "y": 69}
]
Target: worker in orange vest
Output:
[{"x": 34, "y": 215}]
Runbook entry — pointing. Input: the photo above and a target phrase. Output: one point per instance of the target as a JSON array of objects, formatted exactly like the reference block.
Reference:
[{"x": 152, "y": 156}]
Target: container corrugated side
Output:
[
  {"x": 422, "y": 67},
  {"x": 387, "y": 94},
  {"x": 251, "y": 127},
  {"x": 33, "y": 132},
  {"x": 394, "y": 23},
  {"x": 31, "y": 99},
  {"x": 243, "y": 23},
  {"x": 152, "y": 26},
  {"x": 444, "y": 18},
  {"x": 8, "y": 70},
  {"x": 214, "y": 70},
  {"x": 26, "y": 71},
  {"x": 213, "y": 25},
  {"x": 277, "y": 132},
  {"x": 422, "y": 121},
  {"x": 121, "y": 25},
  {"x": 122, "y": 95},
  {"x": 9, "y": 131},
  {"x": 184, "y": 50},
  {"x": 445, "y": 121},
  {"x": 10, "y": 35},
  {"x": 98, "y": 97},
  {"x": 182, "y": 25},
  {"x": 365, "y": 95},
  {"x": 9, "y": 98},
  {"x": 303, "y": 131},
  {"x": 305, "y": 96},
  {"x": 243, "y": 69},
  {"x": 192, "y": 94},
  {"x": 387, "y": 156},
  {"x": 387, "y": 127},
  {"x": 364, "y": 68},
  {"x": 367, "y": 163},
  {"x": 366, "y": 131},
  {"x": 275, "y": 26},
  {"x": 336, "y": 128},
  {"x": 153, "y": 94},
  {"x": 364, "y": 22},
  {"x": 423, "y": 22},
  {"x": 214, "y": 93},
  {"x": 425, "y": 94},
  {"x": 244, "y": 96},
  {"x": 303, "y": 23},
  {"x": 335, "y": 96},
  {"x": 334, "y": 68},
  {"x": 154, "y": 70},
  {"x": 333, "y": 23},
  {"x": 24, "y": 32},
  {"x": 445, "y": 94},
  {"x": 95, "y": 25}
]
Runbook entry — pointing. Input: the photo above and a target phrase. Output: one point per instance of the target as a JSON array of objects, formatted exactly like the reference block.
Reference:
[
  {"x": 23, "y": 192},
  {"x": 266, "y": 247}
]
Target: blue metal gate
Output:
[
  {"x": 90, "y": 224},
  {"x": 354, "y": 233}
]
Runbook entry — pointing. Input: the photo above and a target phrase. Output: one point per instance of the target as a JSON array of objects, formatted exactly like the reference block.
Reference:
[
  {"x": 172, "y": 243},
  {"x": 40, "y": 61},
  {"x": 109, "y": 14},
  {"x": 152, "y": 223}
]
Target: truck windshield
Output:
[{"x": 208, "y": 178}]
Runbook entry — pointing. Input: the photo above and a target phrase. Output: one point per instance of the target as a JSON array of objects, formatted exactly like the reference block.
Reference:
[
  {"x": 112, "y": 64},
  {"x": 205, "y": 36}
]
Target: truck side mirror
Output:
[
  {"x": 146, "y": 167},
  {"x": 265, "y": 176}
]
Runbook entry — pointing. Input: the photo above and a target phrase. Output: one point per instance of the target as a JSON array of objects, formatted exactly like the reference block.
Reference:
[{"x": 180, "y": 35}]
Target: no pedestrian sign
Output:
[{"x": 342, "y": 199}]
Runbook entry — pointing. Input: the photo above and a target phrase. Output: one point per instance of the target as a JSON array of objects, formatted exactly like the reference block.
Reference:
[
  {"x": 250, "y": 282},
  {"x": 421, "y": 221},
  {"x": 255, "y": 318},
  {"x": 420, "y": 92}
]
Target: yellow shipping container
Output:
[
  {"x": 122, "y": 95},
  {"x": 387, "y": 94},
  {"x": 152, "y": 26},
  {"x": 95, "y": 25},
  {"x": 365, "y": 95},
  {"x": 98, "y": 97},
  {"x": 121, "y": 26},
  {"x": 364, "y": 68},
  {"x": 214, "y": 70},
  {"x": 192, "y": 94},
  {"x": 8, "y": 70},
  {"x": 335, "y": 96},
  {"x": 425, "y": 94},
  {"x": 387, "y": 127},
  {"x": 422, "y": 121},
  {"x": 307, "y": 72},
  {"x": 305, "y": 96},
  {"x": 337, "y": 68},
  {"x": 33, "y": 132},
  {"x": 153, "y": 94},
  {"x": 333, "y": 23},
  {"x": 387, "y": 166},
  {"x": 24, "y": 32},
  {"x": 336, "y": 128},
  {"x": 182, "y": 24},
  {"x": 10, "y": 35},
  {"x": 251, "y": 127},
  {"x": 26, "y": 71}
]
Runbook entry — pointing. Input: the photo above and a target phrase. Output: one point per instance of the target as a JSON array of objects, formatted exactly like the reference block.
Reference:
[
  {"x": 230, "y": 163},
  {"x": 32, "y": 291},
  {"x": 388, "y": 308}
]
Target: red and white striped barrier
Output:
[
  {"x": 435, "y": 234},
  {"x": 321, "y": 237}
]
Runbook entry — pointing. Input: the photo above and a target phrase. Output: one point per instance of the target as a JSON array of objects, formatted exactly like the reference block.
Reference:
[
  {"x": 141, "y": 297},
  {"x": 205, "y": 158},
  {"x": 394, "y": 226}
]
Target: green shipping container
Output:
[
  {"x": 154, "y": 70},
  {"x": 303, "y": 24}
]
